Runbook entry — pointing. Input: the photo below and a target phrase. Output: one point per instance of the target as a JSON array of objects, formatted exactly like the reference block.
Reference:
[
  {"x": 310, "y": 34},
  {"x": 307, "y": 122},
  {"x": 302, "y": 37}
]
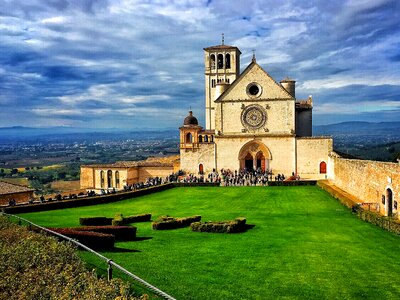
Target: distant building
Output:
[
  {"x": 19, "y": 193},
  {"x": 252, "y": 122},
  {"x": 122, "y": 173}
]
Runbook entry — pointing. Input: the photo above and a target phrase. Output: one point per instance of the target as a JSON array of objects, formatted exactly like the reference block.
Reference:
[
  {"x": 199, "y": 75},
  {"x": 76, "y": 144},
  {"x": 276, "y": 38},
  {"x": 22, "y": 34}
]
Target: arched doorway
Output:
[
  {"x": 254, "y": 154},
  {"x": 322, "y": 167},
  {"x": 201, "y": 169},
  {"x": 389, "y": 202},
  {"x": 248, "y": 162}
]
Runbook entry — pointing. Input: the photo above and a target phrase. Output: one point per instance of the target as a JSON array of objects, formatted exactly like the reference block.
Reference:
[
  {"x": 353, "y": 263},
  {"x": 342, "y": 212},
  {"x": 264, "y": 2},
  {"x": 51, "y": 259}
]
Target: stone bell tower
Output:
[{"x": 222, "y": 67}]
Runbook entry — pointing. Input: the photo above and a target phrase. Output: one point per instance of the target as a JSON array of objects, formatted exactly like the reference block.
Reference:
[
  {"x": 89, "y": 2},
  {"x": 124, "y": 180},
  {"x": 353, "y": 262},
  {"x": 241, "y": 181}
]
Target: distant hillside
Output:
[{"x": 359, "y": 128}]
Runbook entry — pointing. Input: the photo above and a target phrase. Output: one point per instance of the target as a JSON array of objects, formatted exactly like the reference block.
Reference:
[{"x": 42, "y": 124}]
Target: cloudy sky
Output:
[{"x": 139, "y": 64}]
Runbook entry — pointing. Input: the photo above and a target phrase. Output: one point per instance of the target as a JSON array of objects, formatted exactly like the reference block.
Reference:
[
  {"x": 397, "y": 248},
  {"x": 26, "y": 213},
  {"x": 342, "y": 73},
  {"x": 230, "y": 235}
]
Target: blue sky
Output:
[{"x": 139, "y": 64}]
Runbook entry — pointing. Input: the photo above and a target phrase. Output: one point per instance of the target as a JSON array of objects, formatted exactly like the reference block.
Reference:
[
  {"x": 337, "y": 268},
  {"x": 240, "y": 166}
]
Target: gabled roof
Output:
[{"x": 278, "y": 88}]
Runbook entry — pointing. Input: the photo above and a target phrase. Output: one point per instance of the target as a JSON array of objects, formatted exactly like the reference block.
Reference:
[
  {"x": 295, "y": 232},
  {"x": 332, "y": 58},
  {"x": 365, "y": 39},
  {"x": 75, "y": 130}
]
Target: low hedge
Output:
[
  {"x": 121, "y": 233},
  {"x": 378, "y": 220},
  {"x": 94, "y": 240},
  {"x": 95, "y": 221},
  {"x": 137, "y": 218},
  {"x": 235, "y": 226},
  {"x": 292, "y": 183},
  {"x": 167, "y": 222}
]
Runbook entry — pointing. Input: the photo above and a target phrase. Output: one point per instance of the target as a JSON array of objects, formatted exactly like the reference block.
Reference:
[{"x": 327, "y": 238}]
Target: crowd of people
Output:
[{"x": 225, "y": 177}]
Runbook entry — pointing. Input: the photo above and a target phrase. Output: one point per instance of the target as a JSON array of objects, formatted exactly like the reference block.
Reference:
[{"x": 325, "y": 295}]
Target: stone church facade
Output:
[{"x": 252, "y": 122}]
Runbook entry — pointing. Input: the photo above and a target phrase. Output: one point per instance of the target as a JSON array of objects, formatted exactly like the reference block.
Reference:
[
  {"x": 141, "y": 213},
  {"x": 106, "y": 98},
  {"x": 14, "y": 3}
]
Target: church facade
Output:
[{"x": 252, "y": 122}]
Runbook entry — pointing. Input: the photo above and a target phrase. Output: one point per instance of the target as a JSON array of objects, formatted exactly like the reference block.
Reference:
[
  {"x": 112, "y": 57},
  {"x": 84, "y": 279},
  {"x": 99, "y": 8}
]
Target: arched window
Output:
[
  {"x": 212, "y": 139},
  {"x": 200, "y": 138},
  {"x": 227, "y": 61},
  {"x": 189, "y": 138},
  {"x": 109, "y": 178},
  {"x": 117, "y": 179},
  {"x": 206, "y": 138},
  {"x": 101, "y": 179},
  {"x": 322, "y": 167},
  {"x": 212, "y": 60},
  {"x": 220, "y": 63}
]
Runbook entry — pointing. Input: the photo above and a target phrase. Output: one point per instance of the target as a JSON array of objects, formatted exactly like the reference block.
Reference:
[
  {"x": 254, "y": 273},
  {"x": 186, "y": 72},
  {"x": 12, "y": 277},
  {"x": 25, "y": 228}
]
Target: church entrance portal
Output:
[
  {"x": 254, "y": 155},
  {"x": 389, "y": 198}
]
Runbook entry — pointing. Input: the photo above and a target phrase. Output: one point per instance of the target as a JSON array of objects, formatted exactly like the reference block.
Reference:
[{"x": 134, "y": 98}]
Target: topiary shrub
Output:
[
  {"x": 94, "y": 240},
  {"x": 121, "y": 233},
  {"x": 166, "y": 222},
  {"x": 95, "y": 221},
  {"x": 137, "y": 218},
  {"x": 235, "y": 226}
]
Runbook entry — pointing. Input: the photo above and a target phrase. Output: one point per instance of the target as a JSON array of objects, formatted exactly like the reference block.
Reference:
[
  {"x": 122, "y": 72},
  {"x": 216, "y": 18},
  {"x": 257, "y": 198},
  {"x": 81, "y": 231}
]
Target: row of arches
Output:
[
  {"x": 215, "y": 81},
  {"x": 107, "y": 179},
  {"x": 202, "y": 138},
  {"x": 220, "y": 61}
]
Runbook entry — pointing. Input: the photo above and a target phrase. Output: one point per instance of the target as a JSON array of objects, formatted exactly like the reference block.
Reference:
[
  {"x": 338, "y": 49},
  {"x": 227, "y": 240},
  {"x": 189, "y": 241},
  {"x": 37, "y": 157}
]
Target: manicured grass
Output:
[{"x": 304, "y": 245}]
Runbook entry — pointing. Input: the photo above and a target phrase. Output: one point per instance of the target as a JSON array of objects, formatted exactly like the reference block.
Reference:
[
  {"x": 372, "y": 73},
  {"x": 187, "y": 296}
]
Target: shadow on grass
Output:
[
  {"x": 142, "y": 238},
  {"x": 122, "y": 250},
  {"x": 248, "y": 227}
]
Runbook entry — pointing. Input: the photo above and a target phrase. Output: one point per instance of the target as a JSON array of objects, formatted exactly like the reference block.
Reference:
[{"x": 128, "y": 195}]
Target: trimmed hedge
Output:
[
  {"x": 94, "y": 240},
  {"x": 376, "y": 219},
  {"x": 118, "y": 220},
  {"x": 95, "y": 221},
  {"x": 137, "y": 218},
  {"x": 121, "y": 233},
  {"x": 166, "y": 222},
  {"x": 235, "y": 226}
]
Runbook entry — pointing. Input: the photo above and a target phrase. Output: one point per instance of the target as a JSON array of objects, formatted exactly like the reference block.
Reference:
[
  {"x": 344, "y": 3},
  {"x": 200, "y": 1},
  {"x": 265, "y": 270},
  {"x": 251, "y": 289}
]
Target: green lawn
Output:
[{"x": 304, "y": 245}]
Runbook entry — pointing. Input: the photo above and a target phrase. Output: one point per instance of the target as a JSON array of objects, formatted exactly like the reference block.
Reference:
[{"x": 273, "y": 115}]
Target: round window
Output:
[{"x": 254, "y": 90}]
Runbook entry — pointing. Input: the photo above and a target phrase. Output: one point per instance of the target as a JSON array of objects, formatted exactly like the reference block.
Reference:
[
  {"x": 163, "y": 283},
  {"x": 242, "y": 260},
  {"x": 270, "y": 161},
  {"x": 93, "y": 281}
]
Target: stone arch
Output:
[
  {"x": 212, "y": 59},
  {"x": 102, "y": 179},
  {"x": 256, "y": 151},
  {"x": 220, "y": 61},
  {"x": 228, "y": 61},
  {"x": 322, "y": 167},
  {"x": 109, "y": 179},
  {"x": 116, "y": 179},
  {"x": 389, "y": 201},
  {"x": 200, "y": 138},
  {"x": 189, "y": 138}
]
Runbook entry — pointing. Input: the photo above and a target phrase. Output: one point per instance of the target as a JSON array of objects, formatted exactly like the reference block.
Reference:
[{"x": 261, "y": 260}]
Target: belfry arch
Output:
[{"x": 254, "y": 155}]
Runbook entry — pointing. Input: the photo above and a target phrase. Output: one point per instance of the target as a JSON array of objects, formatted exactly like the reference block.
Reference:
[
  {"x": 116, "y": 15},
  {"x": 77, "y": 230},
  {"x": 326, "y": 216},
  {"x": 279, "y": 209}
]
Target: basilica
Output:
[{"x": 252, "y": 122}]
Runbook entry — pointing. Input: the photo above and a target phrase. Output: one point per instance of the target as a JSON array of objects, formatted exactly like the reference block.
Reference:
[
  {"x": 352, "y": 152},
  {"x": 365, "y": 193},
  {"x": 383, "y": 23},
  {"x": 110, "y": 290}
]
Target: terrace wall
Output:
[{"x": 368, "y": 181}]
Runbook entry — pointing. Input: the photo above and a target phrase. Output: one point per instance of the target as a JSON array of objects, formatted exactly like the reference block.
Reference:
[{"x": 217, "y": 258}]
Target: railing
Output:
[{"x": 110, "y": 263}]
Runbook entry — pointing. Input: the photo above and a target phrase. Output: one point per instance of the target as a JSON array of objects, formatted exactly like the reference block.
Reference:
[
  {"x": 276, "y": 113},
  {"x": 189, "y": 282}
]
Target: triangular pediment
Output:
[{"x": 268, "y": 88}]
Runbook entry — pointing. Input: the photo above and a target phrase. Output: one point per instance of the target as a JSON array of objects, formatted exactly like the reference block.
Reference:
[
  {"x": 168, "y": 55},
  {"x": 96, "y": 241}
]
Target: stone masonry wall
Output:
[
  {"x": 368, "y": 180},
  {"x": 18, "y": 197}
]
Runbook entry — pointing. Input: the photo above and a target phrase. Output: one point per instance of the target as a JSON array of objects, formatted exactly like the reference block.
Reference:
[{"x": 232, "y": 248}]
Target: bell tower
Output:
[{"x": 222, "y": 67}]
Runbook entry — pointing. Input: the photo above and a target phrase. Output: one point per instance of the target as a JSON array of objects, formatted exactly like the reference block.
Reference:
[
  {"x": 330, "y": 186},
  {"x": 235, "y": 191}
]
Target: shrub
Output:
[
  {"x": 118, "y": 220},
  {"x": 121, "y": 233},
  {"x": 95, "y": 221},
  {"x": 36, "y": 266},
  {"x": 166, "y": 222},
  {"x": 91, "y": 239},
  {"x": 235, "y": 226},
  {"x": 137, "y": 218}
]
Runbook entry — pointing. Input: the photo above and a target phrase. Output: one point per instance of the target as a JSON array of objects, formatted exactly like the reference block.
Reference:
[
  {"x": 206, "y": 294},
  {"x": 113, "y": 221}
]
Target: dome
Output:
[{"x": 190, "y": 119}]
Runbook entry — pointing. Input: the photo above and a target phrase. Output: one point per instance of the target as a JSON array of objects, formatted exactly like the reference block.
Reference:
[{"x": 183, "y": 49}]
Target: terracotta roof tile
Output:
[{"x": 9, "y": 188}]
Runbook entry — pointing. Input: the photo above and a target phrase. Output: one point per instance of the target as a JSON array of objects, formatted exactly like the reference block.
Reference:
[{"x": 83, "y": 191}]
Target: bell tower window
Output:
[
  {"x": 212, "y": 59},
  {"x": 220, "y": 61},
  {"x": 228, "y": 61}
]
